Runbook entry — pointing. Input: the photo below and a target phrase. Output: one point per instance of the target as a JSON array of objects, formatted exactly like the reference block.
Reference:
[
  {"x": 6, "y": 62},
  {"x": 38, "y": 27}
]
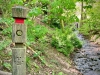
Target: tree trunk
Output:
[{"x": 81, "y": 22}]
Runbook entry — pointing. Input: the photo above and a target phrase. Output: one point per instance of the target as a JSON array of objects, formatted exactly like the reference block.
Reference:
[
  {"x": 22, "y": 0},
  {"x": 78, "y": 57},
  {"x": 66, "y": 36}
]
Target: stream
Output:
[{"x": 87, "y": 60}]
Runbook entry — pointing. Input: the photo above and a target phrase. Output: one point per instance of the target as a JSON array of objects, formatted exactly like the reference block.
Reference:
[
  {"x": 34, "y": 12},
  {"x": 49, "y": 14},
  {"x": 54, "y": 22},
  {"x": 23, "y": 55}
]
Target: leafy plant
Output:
[
  {"x": 4, "y": 44},
  {"x": 59, "y": 73},
  {"x": 7, "y": 26},
  {"x": 7, "y": 65},
  {"x": 28, "y": 62},
  {"x": 39, "y": 31},
  {"x": 35, "y": 12},
  {"x": 76, "y": 42},
  {"x": 91, "y": 24},
  {"x": 36, "y": 32},
  {"x": 85, "y": 29},
  {"x": 66, "y": 41},
  {"x": 60, "y": 12},
  {"x": 37, "y": 68},
  {"x": 36, "y": 54}
]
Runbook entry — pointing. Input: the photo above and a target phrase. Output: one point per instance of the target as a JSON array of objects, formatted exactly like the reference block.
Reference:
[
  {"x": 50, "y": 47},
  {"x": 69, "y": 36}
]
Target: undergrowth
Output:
[
  {"x": 38, "y": 38},
  {"x": 52, "y": 13},
  {"x": 66, "y": 41}
]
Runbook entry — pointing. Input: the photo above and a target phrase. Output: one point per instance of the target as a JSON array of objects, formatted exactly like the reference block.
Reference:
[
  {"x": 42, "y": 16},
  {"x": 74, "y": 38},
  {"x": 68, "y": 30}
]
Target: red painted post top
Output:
[{"x": 19, "y": 20}]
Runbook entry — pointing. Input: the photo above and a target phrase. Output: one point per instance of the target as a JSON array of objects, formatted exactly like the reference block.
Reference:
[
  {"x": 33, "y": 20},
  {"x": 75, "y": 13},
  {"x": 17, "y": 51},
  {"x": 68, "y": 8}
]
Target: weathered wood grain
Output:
[
  {"x": 19, "y": 60},
  {"x": 19, "y": 12},
  {"x": 19, "y": 32},
  {"x": 17, "y": 38}
]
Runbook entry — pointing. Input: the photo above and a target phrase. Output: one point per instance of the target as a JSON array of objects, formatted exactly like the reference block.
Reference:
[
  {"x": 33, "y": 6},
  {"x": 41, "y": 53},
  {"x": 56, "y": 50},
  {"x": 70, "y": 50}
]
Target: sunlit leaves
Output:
[
  {"x": 87, "y": 1},
  {"x": 87, "y": 6},
  {"x": 61, "y": 10},
  {"x": 7, "y": 66},
  {"x": 65, "y": 4},
  {"x": 44, "y": 1},
  {"x": 35, "y": 11},
  {"x": 17, "y": 2},
  {"x": 73, "y": 18},
  {"x": 92, "y": 23},
  {"x": 65, "y": 42}
]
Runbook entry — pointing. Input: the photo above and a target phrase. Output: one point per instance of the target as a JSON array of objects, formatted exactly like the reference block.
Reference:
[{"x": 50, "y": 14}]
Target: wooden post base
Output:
[{"x": 19, "y": 59}]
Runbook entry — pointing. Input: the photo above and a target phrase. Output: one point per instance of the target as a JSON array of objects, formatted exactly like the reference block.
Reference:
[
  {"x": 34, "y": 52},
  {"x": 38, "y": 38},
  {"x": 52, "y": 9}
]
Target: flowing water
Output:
[{"x": 87, "y": 60}]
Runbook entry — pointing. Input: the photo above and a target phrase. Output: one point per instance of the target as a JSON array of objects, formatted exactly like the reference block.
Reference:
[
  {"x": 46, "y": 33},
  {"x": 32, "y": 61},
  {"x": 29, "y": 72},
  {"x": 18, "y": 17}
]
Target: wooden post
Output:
[{"x": 19, "y": 32}]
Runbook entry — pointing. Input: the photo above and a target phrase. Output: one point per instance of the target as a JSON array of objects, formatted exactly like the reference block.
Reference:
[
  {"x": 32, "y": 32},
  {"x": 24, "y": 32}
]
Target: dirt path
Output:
[
  {"x": 60, "y": 62},
  {"x": 87, "y": 60}
]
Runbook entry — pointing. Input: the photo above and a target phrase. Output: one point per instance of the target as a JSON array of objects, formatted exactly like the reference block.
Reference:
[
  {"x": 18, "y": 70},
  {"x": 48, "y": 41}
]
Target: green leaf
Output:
[
  {"x": 35, "y": 11},
  {"x": 7, "y": 65},
  {"x": 60, "y": 73}
]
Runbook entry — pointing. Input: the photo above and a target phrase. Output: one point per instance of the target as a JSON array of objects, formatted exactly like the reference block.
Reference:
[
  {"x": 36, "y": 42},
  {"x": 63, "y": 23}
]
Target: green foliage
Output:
[
  {"x": 60, "y": 13},
  {"x": 7, "y": 66},
  {"x": 44, "y": 1},
  {"x": 54, "y": 22},
  {"x": 39, "y": 31},
  {"x": 73, "y": 18},
  {"x": 87, "y": 1},
  {"x": 87, "y": 6},
  {"x": 28, "y": 62},
  {"x": 7, "y": 21},
  {"x": 37, "y": 68},
  {"x": 76, "y": 42},
  {"x": 37, "y": 54},
  {"x": 35, "y": 11},
  {"x": 59, "y": 73},
  {"x": 91, "y": 25},
  {"x": 4, "y": 44},
  {"x": 60, "y": 10},
  {"x": 36, "y": 32},
  {"x": 85, "y": 29},
  {"x": 7, "y": 26},
  {"x": 7, "y": 31},
  {"x": 66, "y": 41},
  {"x": 7, "y": 5}
]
